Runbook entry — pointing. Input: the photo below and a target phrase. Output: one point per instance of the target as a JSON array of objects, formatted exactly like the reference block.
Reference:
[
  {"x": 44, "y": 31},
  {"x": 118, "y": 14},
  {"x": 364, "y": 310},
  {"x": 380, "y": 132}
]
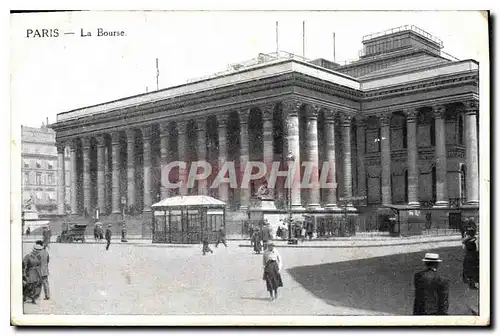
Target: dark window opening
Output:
[
  {"x": 433, "y": 133},
  {"x": 460, "y": 130}
]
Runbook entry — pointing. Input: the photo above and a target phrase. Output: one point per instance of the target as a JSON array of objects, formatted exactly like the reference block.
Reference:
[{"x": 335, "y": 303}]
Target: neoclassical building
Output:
[{"x": 399, "y": 125}]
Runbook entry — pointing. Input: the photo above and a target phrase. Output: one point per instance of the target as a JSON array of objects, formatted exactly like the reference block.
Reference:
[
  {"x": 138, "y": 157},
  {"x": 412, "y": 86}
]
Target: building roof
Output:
[{"x": 183, "y": 201}]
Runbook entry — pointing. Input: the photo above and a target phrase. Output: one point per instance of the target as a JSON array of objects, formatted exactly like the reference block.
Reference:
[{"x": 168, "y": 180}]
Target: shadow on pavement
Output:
[
  {"x": 384, "y": 284},
  {"x": 255, "y": 298}
]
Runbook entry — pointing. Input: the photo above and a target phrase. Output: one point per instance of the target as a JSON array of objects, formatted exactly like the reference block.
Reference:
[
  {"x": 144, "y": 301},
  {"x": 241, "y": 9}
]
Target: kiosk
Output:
[{"x": 184, "y": 219}]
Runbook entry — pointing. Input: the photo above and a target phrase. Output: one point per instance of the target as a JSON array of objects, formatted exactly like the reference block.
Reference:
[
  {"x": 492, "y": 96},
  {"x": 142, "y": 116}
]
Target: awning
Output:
[{"x": 182, "y": 201}]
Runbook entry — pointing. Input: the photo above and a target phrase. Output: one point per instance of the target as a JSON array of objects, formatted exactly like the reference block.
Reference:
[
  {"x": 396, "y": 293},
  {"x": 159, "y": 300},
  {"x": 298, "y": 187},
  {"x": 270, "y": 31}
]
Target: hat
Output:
[
  {"x": 432, "y": 257},
  {"x": 37, "y": 247}
]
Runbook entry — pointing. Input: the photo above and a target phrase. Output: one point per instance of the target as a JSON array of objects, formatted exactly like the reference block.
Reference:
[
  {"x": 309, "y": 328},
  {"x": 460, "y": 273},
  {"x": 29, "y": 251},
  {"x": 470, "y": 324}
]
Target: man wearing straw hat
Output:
[{"x": 431, "y": 289}]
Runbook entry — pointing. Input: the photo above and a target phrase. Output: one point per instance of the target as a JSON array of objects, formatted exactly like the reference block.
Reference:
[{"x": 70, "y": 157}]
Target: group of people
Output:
[
  {"x": 432, "y": 289},
  {"x": 260, "y": 236},
  {"x": 36, "y": 273},
  {"x": 221, "y": 239},
  {"x": 99, "y": 233}
]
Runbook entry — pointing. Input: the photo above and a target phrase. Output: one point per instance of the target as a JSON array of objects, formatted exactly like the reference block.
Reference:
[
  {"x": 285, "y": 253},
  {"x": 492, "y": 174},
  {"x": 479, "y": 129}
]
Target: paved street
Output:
[{"x": 142, "y": 279}]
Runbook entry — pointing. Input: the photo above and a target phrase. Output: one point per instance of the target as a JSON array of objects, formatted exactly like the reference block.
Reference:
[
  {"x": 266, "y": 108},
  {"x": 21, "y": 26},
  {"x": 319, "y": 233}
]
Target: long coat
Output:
[
  {"x": 44, "y": 263},
  {"x": 471, "y": 260},
  {"x": 31, "y": 267},
  {"x": 431, "y": 293},
  {"x": 266, "y": 233}
]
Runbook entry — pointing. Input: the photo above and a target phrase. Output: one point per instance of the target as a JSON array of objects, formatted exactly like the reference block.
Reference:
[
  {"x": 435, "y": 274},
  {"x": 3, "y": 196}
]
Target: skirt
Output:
[
  {"x": 471, "y": 266},
  {"x": 272, "y": 276},
  {"x": 257, "y": 246}
]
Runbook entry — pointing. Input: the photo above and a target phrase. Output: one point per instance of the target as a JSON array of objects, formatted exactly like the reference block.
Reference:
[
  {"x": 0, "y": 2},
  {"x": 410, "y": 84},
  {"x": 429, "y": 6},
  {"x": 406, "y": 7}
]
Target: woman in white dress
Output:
[{"x": 273, "y": 263}]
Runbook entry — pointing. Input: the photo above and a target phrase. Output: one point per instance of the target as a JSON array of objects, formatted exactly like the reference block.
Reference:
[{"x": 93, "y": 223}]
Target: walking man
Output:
[
  {"x": 44, "y": 269},
  {"x": 221, "y": 237},
  {"x": 46, "y": 234},
  {"x": 431, "y": 289},
  {"x": 108, "y": 236}
]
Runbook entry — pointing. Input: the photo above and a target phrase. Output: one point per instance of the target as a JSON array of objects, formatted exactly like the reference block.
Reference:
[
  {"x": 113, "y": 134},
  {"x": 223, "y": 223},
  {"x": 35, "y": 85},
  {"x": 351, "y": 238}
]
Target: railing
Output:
[{"x": 405, "y": 28}]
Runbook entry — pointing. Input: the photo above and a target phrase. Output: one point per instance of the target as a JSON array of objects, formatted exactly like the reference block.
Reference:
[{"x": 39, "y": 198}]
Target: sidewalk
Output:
[{"x": 337, "y": 242}]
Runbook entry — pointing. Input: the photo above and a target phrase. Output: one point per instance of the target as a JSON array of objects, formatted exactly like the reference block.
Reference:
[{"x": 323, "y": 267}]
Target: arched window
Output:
[
  {"x": 463, "y": 185},
  {"x": 460, "y": 131},
  {"x": 434, "y": 181}
]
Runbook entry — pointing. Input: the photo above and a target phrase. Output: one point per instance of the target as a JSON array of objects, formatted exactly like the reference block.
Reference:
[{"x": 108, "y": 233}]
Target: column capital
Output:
[
  {"x": 61, "y": 145},
  {"x": 101, "y": 140},
  {"x": 438, "y": 111},
  {"x": 115, "y": 138},
  {"x": 244, "y": 115},
  {"x": 164, "y": 129},
  {"x": 385, "y": 119},
  {"x": 411, "y": 114},
  {"x": 181, "y": 126},
  {"x": 330, "y": 115},
  {"x": 291, "y": 107},
  {"x": 471, "y": 107},
  {"x": 345, "y": 119},
  {"x": 360, "y": 121},
  {"x": 267, "y": 111},
  {"x": 201, "y": 123},
  {"x": 130, "y": 132},
  {"x": 72, "y": 144},
  {"x": 222, "y": 120},
  {"x": 146, "y": 132},
  {"x": 312, "y": 111},
  {"x": 86, "y": 143}
]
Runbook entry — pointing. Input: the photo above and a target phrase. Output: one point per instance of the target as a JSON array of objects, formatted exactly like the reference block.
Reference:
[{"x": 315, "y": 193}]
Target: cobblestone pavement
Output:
[{"x": 142, "y": 279}]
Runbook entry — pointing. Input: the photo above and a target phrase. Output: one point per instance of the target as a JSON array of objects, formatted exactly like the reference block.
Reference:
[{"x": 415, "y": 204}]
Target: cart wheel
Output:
[{"x": 70, "y": 239}]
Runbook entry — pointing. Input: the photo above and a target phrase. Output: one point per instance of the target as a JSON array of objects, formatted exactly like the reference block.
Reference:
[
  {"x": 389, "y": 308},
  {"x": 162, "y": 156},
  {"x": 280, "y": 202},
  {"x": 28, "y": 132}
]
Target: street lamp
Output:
[{"x": 290, "y": 159}]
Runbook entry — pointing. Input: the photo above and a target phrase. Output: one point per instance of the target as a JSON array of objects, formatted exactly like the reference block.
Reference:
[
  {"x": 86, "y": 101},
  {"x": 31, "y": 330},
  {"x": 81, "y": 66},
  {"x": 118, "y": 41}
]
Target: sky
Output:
[{"x": 56, "y": 74}]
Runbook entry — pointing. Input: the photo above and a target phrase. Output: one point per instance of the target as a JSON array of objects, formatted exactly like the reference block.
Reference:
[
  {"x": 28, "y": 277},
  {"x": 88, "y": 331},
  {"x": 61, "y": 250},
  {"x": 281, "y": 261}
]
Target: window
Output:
[
  {"x": 434, "y": 181},
  {"x": 433, "y": 133},
  {"x": 50, "y": 165},
  {"x": 38, "y": 179},
  {"x": 26, "y": 178},
  {"x": 405, "y": 137},
  {"x": 51, "y": 179},
  {"x": 26, "y": 163},
  {"x": 38, "y": 164}
]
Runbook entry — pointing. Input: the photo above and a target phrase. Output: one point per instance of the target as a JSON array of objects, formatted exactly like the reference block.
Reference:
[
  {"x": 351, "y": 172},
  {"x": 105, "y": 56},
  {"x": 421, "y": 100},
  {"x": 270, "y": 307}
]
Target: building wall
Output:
[{"x": 39, "y": 169}]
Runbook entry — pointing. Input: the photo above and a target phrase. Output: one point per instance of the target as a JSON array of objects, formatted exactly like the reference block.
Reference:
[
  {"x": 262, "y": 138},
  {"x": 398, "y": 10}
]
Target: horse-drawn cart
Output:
[{"x": 72, "y": 232}]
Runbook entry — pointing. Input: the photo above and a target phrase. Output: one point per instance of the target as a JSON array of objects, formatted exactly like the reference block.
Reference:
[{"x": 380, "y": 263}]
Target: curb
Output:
[{"x": 359, "y": 245}]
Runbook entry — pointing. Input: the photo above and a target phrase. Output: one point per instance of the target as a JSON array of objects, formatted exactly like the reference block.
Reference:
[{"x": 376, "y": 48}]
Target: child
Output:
[{"x": 206, "y": 248}]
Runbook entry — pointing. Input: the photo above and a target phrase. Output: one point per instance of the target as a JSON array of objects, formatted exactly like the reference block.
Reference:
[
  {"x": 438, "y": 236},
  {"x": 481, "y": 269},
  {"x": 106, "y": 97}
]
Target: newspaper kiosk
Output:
[{"x": 184, "y": 219}]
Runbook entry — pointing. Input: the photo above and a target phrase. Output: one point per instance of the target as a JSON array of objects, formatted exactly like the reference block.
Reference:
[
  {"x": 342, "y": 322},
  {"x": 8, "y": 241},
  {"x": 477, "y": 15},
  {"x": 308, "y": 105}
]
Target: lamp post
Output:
[{"x": 290, "y": 158}]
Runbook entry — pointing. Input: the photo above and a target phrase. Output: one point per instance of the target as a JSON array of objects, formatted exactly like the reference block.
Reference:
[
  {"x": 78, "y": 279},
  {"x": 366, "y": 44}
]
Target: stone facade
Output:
[{"x": 403, "y": 136}]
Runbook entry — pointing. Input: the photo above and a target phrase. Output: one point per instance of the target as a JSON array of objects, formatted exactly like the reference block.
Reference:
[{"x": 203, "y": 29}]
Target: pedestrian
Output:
[
  {"x": 431, "y": 289},
  {"x": 266, "y": 233},
  {"x": 44, "y": 269},
  {"x": 257, "y": 240},
  {"x": 309, "y": 228},
  {"x": 273, "y": 263},
  {"x": 46, "y": 233},
  {"x": 28, "y": 231},
  {"x": 108, "y": 235},
  {"x": 32, "y": 280},
  {"x": 96, "y": 231},
  {"x": 470, "y": 273},
  {"x": 221, "y": 237},
  {"x": 124, "y": 233},
  {"x": 206, "y": 247}
]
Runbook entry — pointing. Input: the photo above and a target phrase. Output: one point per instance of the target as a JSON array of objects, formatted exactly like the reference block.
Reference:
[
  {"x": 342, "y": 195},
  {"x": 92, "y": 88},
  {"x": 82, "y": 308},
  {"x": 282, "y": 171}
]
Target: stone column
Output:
[
  {"x": 87, "y": 188},
  {"x": 115, "y": 172},
  {"x": 130, "y": 167},
  {"x": 74, "y": 192},
  {"x": 268, "y": 140},
  {"x": 164, "y": 146},
  {"x": 361, "y": 150},
  {"x": 146, "y": 143},
  {"x": 385, "y": 143},
  {"x": 329, "y": 127},
  {"x": 201, "y": 150},
  {"x": 471, "y": 151},
  {"x": 312, "y": 155},
  {"x": 244, "y": 158},
  {"x": 441, "y": 154},
  {"x": 412, "y": 153},
  {"x": 347, "y": 165},
  {"x": 222, "y": 133},
  {"x": 61, "y": 179},
  {"x": 291, "y": 114},
  {"x": 182, "y": 154},
  {"x": 101, "y": 185}
]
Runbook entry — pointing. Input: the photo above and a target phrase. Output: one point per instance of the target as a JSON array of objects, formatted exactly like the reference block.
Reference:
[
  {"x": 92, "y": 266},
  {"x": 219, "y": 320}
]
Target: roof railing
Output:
[{"x": 405, "y": 28}]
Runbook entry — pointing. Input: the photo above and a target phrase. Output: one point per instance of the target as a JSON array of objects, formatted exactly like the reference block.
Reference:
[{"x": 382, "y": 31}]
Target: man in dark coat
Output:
[
  {"x": 221, "y": 237},
  {"x": 44, "y": 269},
  {"x": 266, "y": 233},
  {"x": 431, "y": 289},
  {"x": 108, "y": 235},
  {"x": 46, "y": 234}
]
